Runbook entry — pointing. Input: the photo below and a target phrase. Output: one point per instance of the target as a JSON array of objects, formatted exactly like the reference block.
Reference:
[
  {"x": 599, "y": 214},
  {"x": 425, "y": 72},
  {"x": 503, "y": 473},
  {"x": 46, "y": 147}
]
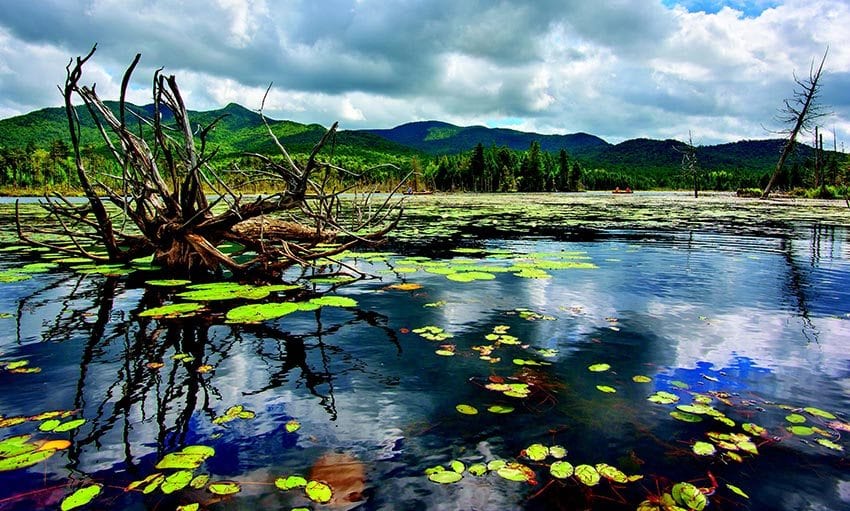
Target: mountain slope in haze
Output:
[{"x": 437, "y": 138}]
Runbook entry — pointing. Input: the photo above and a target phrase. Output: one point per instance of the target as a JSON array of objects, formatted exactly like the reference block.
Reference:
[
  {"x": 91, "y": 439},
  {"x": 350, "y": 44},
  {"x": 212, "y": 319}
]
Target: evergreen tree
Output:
[{"x": 574, "y": 177}]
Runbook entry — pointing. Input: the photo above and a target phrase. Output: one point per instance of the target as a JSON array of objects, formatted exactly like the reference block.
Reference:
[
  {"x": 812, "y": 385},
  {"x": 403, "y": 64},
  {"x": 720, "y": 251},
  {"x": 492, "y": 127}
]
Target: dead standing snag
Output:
[{"x": 160, "y": 205}]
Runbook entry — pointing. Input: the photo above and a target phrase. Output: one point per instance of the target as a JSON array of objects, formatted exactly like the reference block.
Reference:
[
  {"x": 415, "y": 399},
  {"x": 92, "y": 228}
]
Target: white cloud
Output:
[{"x": 616, "y": 69}]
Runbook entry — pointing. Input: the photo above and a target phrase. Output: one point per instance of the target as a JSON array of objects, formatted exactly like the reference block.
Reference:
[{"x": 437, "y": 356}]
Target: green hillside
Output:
[{"x": 34, "y": 153}]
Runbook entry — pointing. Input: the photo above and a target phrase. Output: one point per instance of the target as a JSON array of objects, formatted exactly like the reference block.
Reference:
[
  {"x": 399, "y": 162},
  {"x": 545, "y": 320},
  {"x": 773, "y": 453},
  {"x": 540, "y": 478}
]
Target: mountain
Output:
[
  {"x": 437, "y": 138},
  {"x": 238, "y": 131}
]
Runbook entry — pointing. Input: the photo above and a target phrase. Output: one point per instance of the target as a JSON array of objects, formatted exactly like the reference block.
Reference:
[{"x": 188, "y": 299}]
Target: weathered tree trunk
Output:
[
  {"x": 161, "y": 208},
  {"x": 799, "y": 113}
]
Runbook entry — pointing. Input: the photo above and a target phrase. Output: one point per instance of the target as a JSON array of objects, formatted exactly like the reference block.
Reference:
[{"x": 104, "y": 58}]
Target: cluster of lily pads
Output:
[
  {"x": 489, "y": 263},
  {"x": 199, "y": 294},
  {"x": 550, "y": 457}
]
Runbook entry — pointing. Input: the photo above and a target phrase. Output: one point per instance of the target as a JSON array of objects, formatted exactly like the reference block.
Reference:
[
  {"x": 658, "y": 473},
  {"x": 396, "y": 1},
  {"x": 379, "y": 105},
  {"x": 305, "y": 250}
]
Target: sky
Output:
[{"x": 618, "y": 69}]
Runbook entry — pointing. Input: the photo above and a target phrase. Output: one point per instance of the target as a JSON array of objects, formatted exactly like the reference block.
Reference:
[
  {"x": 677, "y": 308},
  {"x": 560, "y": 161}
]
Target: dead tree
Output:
[
  {"x": 161, "y": 205},
  {"x": 690, "y": 166},
  {"x": 800, "y": 112}
]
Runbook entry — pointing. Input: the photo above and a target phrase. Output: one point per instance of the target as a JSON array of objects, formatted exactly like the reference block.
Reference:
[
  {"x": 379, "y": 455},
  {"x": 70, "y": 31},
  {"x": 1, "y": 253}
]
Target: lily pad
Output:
[
  {"x": 477, "y": 469},
  {"x": 500, "y": 409},
  {"x": 516, "y": 472},
  {"x": 598, "y": 368},
  {"x": 704, "y": 449},
  {"x": 175, "y": 310},
  {"x": 795, "y": 418},
  {"x": 176, "y": 481},
  {"x": 685, "y": 416},
  {"x": 606, "y": 389},
  {"x": 829, "y": 444},
  {"x": 81, "y": 497},
  {"x": 27, "y": 459},
  {"x": 334, "y": 301},
  {"x": 290, "y": 482},
  {"x": 258, "y": 312},
  {"x": 587, "y": 475},
  {"x": 801, "y": 430},
  {"x": 537, "y": 452},
  {"x": 639, "y": 378},
  {"x": 663, "y": 397},
  {"x": 817, "y": 412},
  {"x": 557, "y": 451},
  {"x": 68, "y": 426},
  {"x": 612, "y": 473},
  {"x": 224, "y": 488},
  {"x": 168, "y": 282},
  {"x": 292, "y": 426},
  {"x": 444, "y": 477},
  {"x": 470, "y": 276},
  {"x": 689, "y": 496},
  {"x": 320, "y": 492},
  {"x": 466, "y": 409},
  {"x": 561, "y": 469},
  {"x": 734, "y": 489}
]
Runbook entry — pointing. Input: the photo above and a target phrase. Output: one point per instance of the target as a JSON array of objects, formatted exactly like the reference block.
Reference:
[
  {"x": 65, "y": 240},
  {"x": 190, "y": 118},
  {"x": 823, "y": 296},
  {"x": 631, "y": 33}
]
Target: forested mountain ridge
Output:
[
  {"x": 34, "y": 152},
  {"x": 439, "y": 138}
]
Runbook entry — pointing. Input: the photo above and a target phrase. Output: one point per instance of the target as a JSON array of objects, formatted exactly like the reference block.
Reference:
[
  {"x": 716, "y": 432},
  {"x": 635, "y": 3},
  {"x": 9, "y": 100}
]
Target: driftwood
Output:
[{"x": 161, "y": 205}]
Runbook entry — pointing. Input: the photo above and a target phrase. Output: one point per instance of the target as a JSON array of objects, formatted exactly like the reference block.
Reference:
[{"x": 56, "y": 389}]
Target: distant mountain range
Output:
[{"x": 242, "y": 130}]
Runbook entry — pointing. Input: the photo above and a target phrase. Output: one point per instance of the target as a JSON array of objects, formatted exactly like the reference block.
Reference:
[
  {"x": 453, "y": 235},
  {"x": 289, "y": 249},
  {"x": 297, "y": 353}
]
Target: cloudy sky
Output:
[{"x": 618, "y": 69}]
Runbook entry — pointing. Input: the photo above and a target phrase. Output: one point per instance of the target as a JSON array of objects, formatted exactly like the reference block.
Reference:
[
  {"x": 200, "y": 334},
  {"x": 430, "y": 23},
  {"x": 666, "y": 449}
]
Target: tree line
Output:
[{"x": 483, "y": 169}]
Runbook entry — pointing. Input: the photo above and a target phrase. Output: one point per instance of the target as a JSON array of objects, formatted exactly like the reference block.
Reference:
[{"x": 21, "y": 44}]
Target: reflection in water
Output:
[{"x": 715, "y": 313}]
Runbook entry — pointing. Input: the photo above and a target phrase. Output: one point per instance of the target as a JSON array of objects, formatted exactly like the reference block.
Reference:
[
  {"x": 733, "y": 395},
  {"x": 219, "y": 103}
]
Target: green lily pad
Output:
[
  {"x": 500, "y": 409},
  {"x": 320, "y": 492},
  {"x": 829, "y": 444},
  {"x": 587, "y": 475},
  {"x": 175, "y": 310},
  {"x": 795, "y": 418},
  {"x": 15, "y": 445},
  {"x": 176, "y": 481},
  {"x": 494, "y": 465},
  {"x": 612, "y": 473},
  {"x": 639, "y": 378},
  {"x": 598, "y": 368},
  {"x": 199, "y": 481},
  {"x": 168, "y": 282},
  {"x": 258, "y": 312},
  {"x": 81, "y": 497},
  {"x": 663, "y": 397},
  {"x": 194, "y": 506},
  {"x": 224, "y": 488},
  {"x": 9, "y": 277},
  {"x": 680, "y": 384},
  {"x": 189, "y": 457},
  {"x": 754, "y": 429},
  {"x": 470, "y": 276},
  {"x": 685, "y": 417},
  {"x": 689, "y": 496},
  {"x": 801, "y": 430},
  {"x": 557, "y": 451},
  {"x": 457, "y": 466},
  {"x": 290, "y": 482},
  {"x": 477, "y": 469},
  {"x": 466, "y": 409},
  {"x": 27, "y": 459},
  {"x": 68, "y": 426},
  {"x": 515, "y": 472},
  {"x": 606, "y": 389},
  {"x": 734, "y": 489},
  {"x": 817, "y": 412},
  {"x": 49, "y": 425},
  {"x": 561, "y": 469},
  {"x": 334, "y": 301},
  {"x": 537, "y": 452},
  {"x": 704, "y": 449},
  {"x": 444, "y": 477}
]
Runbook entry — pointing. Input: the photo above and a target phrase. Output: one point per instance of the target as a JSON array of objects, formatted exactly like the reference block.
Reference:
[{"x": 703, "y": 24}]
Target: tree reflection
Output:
[{"x": 136, "y": 395}]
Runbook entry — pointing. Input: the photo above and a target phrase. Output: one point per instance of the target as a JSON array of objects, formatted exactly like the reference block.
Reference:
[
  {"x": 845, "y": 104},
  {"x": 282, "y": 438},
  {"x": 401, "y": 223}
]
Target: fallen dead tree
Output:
[{"x": 170, "y": 203}]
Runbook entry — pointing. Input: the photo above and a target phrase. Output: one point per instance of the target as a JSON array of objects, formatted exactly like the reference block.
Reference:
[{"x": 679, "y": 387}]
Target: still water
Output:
[{"x": 756, "y": 326}]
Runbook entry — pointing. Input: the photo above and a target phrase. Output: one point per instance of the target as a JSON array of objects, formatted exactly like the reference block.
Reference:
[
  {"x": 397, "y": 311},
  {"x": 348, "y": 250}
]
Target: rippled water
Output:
[{"x": 763, "y": 319}]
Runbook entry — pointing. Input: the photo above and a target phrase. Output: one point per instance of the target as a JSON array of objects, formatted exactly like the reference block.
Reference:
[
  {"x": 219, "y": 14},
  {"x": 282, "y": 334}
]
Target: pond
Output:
[{"x": 509, "y": 352}]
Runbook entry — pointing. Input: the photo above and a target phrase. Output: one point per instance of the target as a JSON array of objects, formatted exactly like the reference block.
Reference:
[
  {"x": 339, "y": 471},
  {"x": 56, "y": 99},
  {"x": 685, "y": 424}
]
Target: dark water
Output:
[{"x": 763, "y": 319}]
